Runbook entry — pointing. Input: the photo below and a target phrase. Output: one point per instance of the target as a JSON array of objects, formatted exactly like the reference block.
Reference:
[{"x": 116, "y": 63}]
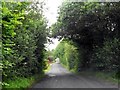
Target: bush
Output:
[
  {"x": 23, "y": 38},
  {"x": 107, "y": 57},
  {"x": 68, "y": 54}
]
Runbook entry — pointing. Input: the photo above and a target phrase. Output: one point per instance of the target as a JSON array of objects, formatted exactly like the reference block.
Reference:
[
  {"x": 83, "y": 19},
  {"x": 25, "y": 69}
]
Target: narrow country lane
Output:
[{"x": 59, "y": 77}]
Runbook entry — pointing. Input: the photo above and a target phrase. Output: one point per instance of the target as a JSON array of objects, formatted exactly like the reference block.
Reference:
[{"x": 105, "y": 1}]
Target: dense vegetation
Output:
[
  {"x": 23, "y": 38},
  {"x": 95, "y": 28},
  {"x": 68, "y": 54},
  {"x": 91, "y": 33}
]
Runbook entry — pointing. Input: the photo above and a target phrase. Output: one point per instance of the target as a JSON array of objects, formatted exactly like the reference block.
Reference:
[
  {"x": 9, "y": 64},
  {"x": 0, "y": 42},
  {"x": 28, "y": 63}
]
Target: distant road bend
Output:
[{"x": 59, "y": 77}]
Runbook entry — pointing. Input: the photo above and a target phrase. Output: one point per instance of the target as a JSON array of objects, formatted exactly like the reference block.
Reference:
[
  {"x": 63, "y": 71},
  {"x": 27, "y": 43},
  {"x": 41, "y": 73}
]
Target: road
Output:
[{"x": 59, "y": 77}]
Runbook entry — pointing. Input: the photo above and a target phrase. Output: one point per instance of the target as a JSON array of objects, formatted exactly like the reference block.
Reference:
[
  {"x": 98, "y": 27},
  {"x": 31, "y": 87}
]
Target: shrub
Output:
[
  {"x": 68, "y": 53},
  {"x": 107, "y": 57}
]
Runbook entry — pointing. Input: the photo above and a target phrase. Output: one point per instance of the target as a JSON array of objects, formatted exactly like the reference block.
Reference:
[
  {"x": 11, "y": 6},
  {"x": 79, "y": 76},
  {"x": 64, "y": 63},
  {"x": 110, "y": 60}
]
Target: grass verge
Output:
[
  {"x": 48, "y": 68},
  {"x": 22, "y": 83},
  {"x": 107, "y": 76}
]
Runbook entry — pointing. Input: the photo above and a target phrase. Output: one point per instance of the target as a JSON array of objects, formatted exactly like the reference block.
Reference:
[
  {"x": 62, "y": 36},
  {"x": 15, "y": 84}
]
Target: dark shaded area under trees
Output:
[
  {"x": 95, "y": 29},
  {"x": 91, "y": 33}
]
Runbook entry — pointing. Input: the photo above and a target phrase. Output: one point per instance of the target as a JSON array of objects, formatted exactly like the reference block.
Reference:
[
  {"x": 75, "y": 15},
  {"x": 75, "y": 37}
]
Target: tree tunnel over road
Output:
[{"x": 59, "y": 77}]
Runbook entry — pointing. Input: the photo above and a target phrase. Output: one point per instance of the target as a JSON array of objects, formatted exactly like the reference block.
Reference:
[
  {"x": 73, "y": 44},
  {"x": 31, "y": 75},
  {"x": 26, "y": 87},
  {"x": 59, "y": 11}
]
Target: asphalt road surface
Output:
[{"x": 59, "y": 77}]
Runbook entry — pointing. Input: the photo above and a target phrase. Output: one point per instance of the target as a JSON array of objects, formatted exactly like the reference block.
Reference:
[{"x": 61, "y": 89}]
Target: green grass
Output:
[
  {"x": 22, "y": 82},
  {"x": 47, "y": 69},
  {"x": 107, "y": 76},
  {"x": 72, "y": 70}
]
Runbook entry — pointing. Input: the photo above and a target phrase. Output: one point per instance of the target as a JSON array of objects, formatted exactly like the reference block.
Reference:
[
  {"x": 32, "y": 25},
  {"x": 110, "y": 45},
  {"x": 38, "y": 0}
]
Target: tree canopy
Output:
[{"x": 95, "y": 28}]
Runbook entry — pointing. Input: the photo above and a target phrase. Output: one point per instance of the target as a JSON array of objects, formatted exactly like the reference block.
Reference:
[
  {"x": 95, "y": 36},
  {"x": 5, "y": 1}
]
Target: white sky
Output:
[
  {"x": 53, "y": 45},
  {"x": 51, "y": 15}
]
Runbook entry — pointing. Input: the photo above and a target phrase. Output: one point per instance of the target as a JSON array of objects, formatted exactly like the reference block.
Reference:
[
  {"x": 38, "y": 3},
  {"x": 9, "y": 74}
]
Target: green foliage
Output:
[
  {"x": 19, "y": 83},
  {"x": 107, "y": 57},
  {"x": 75, "y": 21},
  {"x": 95, "y": 27},
  {"x": 23, "y": 38},
  {"x": 110, "y": 76},
  {"x": 59, "y": 52},
  {"x": 68, "y": 54}
]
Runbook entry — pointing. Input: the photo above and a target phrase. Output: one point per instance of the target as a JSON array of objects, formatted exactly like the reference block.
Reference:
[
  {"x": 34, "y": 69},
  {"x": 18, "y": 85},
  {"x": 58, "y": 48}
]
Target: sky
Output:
[
  {"x": 51, "y": 15},
  {"x": 53, "y": 45}
]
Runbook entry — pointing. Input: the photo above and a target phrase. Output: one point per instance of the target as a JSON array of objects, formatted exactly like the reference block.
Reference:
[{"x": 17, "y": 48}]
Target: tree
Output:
[
  {"x": 88, "y": 24},
  {"x": 23, "y": 36}
]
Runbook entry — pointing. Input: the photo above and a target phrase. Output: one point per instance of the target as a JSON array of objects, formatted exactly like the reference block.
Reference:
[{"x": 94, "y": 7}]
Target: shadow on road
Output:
[{"x": 59, "y": 77}]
